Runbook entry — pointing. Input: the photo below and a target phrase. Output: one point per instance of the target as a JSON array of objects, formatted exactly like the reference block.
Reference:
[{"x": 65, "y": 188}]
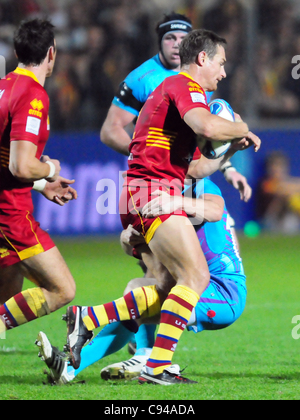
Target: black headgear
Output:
[{"x": 173, "y": 26}]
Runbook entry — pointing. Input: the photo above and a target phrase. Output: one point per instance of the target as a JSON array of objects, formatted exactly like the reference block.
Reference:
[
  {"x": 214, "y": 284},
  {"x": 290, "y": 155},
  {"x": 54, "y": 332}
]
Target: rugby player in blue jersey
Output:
[{"x": 219, "y": 306}]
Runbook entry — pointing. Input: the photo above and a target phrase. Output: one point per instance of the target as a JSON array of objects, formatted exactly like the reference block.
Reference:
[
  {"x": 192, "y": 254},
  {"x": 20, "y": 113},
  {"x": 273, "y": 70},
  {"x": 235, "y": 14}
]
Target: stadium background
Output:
[{"x": 100, "y": 42}]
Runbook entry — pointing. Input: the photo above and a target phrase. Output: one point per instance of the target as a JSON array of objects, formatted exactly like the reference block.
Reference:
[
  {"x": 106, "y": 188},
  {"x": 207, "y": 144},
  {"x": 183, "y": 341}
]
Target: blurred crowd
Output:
[{"x": 100, "y": 42}]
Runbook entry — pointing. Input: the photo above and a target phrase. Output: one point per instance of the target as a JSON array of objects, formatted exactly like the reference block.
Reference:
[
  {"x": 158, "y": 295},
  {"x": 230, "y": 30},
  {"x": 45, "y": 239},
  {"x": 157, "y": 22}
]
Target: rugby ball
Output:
[{"x": 215, "y": 149}]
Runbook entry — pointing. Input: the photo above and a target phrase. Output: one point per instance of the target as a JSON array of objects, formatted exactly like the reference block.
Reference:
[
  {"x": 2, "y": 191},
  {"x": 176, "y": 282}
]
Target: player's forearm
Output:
[
  {"x": 29, "y": 171},
  {"x": 203, "y": 209},
  {"x": 213, "y": 127},
  {"x": 116, "y": 138},
  {"x": 204, "y": 167},
  {"x": 219, "y": 129}
]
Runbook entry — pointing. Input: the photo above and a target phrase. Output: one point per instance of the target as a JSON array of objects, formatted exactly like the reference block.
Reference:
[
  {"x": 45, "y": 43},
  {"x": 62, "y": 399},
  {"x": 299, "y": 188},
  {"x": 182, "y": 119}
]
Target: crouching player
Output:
[{"x": 219, "y": 306}]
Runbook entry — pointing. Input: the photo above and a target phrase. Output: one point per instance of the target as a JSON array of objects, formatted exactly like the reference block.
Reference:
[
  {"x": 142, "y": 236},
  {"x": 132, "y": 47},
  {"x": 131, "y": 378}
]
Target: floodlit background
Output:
[{"x": 100, "y": 42}]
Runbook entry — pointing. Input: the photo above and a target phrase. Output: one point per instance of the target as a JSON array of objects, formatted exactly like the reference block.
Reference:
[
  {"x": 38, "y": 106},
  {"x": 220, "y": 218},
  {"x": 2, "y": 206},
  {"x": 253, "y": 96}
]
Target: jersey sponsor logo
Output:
[
  {"x": 195, "y": 87},
  {"x": 198, "y": 97},
  {"x": 37, "y": 106},
  {"x": 33, "y": 125},
  {"x": 4, "y": 252}
]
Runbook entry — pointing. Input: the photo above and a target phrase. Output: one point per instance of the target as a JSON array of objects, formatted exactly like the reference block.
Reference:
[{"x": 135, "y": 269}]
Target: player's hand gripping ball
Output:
[{"x": 215, "y": 149}]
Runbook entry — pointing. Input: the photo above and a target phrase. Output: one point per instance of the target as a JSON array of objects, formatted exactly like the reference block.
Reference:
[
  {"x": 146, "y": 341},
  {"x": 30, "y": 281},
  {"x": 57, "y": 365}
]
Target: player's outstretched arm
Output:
[
  {"x": 240, "y": 183},
  {"x": 113, "y": 132}
]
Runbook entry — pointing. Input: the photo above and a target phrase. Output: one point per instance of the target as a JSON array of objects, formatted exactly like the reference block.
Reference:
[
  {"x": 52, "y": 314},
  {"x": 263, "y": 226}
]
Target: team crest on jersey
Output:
[{"x": 37, "y": 106}]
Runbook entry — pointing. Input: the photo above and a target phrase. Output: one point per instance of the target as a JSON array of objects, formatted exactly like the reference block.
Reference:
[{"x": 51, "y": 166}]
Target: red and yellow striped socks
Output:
[
  {"x": 143, "y": 300},
  {"x": 24, "y": 307},
  {"x": 175, "y": 313}
]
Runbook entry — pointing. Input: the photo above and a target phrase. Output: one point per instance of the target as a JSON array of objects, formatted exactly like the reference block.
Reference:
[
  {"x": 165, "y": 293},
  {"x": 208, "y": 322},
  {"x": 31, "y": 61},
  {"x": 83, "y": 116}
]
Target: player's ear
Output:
[
  {"x": 50, "y": 54},
  {"x": 201, "y": 58}
]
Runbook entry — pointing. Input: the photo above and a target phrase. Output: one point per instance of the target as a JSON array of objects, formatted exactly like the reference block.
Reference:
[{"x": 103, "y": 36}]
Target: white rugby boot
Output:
[
  {"x": 128, "y": 370},
  {"x": 56, "y": 361}
]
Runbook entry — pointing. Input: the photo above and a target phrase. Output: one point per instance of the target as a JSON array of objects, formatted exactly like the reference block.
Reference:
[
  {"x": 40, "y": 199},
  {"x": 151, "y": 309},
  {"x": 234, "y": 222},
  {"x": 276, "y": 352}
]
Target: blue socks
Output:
[
  {"x": 145, "y": 338},
  {"x": 112, "y": 338}
]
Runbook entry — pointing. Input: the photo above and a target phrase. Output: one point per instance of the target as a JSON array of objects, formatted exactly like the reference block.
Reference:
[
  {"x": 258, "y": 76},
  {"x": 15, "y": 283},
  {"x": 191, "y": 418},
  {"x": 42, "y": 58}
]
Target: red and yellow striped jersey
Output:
[
  {"x": 163, "y": 144},
  {"x": 24, "y": 106}
]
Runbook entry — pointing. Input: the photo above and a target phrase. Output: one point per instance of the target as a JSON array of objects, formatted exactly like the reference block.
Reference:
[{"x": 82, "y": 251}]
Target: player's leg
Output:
[
  {"x": 142, "y": 301},
  {"x": 55, "y": 288},
  {"x": 145, "y": 338},
  {"x": 177, "y": 246},
  {"x": 110, "y": 339},
  {"x": 11, "y": 283}
]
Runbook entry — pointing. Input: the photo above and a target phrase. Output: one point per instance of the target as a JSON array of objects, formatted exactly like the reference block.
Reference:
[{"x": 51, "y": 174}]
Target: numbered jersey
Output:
[{"x": 24, "y": 106}]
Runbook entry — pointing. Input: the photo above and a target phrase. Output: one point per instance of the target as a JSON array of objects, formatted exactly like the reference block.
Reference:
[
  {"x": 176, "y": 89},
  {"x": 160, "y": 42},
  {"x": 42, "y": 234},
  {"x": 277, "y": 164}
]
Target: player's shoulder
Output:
[
  {"x": 28, "y": 88},
  {"x": 145, "y": 70},
  {"x": 182, "y": 81}
]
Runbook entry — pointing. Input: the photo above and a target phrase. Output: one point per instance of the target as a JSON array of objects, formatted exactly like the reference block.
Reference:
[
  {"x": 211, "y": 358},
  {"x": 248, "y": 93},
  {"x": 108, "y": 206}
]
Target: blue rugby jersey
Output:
[
  {"x": 140, "y": 83},
  {"x": 217, "y": 242}
]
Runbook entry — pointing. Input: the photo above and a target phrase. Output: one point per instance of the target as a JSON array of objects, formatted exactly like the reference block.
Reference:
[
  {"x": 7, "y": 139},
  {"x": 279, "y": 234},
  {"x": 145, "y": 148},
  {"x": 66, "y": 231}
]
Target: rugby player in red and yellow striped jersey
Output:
[
  {"x": 164, "y": 142},
  {"x": 25, "y": 249}
]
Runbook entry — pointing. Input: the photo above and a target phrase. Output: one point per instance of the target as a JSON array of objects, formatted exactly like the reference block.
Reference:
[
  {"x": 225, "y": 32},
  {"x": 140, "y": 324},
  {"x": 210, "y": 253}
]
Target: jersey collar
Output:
[
  {"x": 25, "y": 72},
  {"x": 186, "y": 75}
]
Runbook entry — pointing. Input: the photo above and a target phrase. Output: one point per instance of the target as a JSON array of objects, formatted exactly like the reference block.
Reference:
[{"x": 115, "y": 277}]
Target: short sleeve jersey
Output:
[
  {"x": 141, "y": 82},
  {"x": 24, "y": 106},
  {"x": 163, "y": 144}
]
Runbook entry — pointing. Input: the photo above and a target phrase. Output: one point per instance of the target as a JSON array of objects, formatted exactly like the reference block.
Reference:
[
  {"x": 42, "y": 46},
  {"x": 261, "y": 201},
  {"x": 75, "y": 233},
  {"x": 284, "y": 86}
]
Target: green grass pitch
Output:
[{"x": 256, "y": 358}]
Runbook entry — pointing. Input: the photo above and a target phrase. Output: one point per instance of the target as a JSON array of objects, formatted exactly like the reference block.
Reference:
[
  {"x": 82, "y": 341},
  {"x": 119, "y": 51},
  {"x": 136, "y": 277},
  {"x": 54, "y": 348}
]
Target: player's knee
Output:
[
  {"x": 131, "y": 285},
  {"x": 199, "y": 281},
  {"x": 66, "y": 294}
]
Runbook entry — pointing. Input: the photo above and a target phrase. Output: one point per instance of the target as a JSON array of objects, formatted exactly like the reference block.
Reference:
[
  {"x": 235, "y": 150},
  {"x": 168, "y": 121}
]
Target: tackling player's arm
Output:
[
  {"x": 203, "y": 167},
  {"x": 24, "y": 165},
  {"x": 209, "y": 207}
]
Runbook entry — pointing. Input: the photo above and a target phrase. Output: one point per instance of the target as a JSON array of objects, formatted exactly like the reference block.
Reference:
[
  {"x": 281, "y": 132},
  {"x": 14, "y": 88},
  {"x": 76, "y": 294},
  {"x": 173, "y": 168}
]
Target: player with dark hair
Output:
[
  {"x": 171, "y": 120},
  {"x": 27, "y": 250}
]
